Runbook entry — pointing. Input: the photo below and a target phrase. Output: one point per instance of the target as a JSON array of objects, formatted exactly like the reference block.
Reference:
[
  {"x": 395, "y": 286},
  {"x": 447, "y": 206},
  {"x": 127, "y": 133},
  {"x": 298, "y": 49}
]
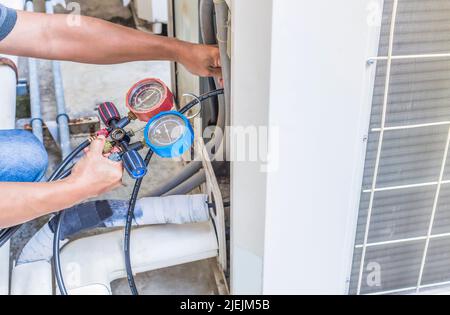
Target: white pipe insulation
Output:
[
  {"x": 8, "y": 81},
  {"x": 181, "y": 232},
  {"x": 8, "y": 84},
  {"x": 91, "y": 264}
]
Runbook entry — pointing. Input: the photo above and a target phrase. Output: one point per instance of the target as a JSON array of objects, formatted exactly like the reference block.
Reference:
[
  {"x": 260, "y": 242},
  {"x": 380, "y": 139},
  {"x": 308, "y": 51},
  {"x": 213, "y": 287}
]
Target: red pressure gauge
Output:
[{"x": 148, "y": 98}]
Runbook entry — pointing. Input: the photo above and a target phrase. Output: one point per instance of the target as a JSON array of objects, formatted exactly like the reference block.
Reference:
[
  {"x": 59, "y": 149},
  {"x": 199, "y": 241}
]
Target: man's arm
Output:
[
  {"x": 91, "y": 177},
  {"x": 99, "y": 42}
]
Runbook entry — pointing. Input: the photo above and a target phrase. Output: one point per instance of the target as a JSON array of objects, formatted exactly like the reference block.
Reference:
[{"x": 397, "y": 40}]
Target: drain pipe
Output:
[
  {"x": 62, "y": 119},
  {"x": 195, "y": 181},
  {"x": 35, "y": 95}
]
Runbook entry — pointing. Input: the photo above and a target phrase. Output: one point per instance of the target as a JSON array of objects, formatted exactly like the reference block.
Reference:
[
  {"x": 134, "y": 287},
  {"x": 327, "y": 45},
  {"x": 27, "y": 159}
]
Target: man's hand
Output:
[
  {"x": 96, "y": 174},
  {"x": 91, "y": 177},
  {"x": 202, "y": 60}
]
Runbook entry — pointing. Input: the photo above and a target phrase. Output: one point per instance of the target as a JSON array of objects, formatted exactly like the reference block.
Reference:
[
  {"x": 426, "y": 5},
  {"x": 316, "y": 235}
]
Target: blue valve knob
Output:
[{"x": 134, "y": 164}]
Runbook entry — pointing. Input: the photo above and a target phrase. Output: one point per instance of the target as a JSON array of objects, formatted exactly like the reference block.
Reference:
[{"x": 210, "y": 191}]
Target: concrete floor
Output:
[{"x": 85, "y": 87}]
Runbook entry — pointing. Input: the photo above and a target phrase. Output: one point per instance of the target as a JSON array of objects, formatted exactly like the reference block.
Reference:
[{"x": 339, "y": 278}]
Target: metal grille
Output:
[{"x": 404, "y": 217}]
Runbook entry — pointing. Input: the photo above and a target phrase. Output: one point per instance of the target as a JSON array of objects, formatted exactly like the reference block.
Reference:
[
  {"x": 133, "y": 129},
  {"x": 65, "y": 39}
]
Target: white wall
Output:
[
  {"x": 251, "y": 33},
  {"x": 300, "y": 68}
]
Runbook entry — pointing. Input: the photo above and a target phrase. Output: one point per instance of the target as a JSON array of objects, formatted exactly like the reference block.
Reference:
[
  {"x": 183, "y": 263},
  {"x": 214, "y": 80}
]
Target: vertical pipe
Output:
[
  {"x": 222, "y": 15},
  {"x": 35, "y": 96},
  {"x": 62, "y": 118}
]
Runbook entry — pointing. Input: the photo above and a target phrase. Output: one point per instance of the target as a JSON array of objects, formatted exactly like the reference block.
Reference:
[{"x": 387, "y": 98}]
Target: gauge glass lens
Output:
[
  {"x": 147, "y": 96},
  {"x": 166, "y": 131}
]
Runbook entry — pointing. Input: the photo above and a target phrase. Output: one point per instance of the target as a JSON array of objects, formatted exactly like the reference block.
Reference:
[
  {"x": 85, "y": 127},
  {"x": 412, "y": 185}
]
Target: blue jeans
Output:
[{"x": 23, "y": 158}]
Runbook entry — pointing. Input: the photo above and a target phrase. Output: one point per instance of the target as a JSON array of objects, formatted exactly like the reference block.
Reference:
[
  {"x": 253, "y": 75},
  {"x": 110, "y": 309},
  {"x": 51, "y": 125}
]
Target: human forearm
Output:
[
  {"x": 92, "y": 41},
  {"x": 99, "y": 42},
  {"x": 92, "y": 176},
  {"x": 22, "y": 202}
]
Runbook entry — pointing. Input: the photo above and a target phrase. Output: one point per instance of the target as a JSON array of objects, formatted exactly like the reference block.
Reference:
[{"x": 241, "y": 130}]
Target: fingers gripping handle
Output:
[{"x": 108, "y": 113}]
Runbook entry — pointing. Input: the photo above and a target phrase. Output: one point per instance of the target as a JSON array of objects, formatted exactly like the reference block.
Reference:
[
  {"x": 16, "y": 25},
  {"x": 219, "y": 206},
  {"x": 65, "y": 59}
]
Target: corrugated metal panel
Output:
[{"x": 412, "y": 155}]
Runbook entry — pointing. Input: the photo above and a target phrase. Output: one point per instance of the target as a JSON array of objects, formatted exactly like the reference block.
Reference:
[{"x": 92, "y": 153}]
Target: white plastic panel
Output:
[{"x": 319, "y": 100}]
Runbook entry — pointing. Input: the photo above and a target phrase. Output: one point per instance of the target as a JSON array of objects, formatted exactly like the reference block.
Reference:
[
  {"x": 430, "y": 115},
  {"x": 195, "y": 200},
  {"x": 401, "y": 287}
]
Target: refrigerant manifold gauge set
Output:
[{"x": 168, "y": 133}]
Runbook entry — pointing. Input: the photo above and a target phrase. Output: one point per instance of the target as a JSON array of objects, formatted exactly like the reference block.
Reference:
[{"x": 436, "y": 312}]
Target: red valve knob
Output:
[{"x": 108, "y": 113}]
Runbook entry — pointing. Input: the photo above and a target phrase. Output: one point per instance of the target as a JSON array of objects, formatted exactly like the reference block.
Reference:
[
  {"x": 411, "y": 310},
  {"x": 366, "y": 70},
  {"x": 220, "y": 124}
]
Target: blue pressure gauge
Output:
[{"x": 169, "y": 134}]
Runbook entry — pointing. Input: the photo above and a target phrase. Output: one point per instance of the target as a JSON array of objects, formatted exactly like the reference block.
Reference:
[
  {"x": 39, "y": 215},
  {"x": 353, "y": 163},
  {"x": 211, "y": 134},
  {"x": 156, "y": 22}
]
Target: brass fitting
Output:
[
  {"x": 109, "y": 146},
  {"x": 132, "y": 116}
]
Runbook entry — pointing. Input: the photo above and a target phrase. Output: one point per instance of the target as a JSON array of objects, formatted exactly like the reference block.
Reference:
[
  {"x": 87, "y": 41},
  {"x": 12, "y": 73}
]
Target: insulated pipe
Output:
[
  {"x": 62, "y": 119},
  {"x": 207, "y": 22},
  {"x": 189, "y": 185},
  {"x": 222, "y": 15},
  {"x": 185, "y": 209},
  {"x": 8, "y": 82},
  {"x": 35, "y": 95},
  {"x": 98, "y": 260},
  {"x": 182, "y": 176},
  {"x": 209, "y": 37}
]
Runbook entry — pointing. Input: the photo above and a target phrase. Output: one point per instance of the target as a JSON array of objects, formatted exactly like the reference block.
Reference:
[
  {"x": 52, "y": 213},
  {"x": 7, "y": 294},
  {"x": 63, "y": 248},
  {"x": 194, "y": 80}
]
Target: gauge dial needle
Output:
[
  {"x": 146, "y": 99},
  {"x": 168, "y": 133}
]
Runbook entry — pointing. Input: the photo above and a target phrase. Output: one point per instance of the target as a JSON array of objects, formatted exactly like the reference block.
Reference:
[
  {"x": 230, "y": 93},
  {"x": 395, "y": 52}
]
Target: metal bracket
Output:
[{"x": 22, "y": 88}]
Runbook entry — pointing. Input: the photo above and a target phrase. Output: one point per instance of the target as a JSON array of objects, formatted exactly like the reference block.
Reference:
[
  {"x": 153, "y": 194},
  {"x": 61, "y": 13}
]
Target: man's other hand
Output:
[{"x": 201, "y": 60}]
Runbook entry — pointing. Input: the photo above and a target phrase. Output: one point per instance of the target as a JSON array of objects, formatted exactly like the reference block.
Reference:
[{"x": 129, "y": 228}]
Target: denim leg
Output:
[{"x": 22, "y": 157}]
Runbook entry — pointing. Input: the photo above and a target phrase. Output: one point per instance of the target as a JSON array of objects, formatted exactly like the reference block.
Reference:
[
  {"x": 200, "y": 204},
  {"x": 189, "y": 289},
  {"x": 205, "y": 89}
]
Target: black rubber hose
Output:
[
  {"x": 129, "y": 225},
  {"x": 69, "y": 159},
  {"x": 135, "y": 194},
  {"x": 56, "y": 240},
  {"x": 7, "y": 234},
  {"x": 60, "y": 217},
  {"x": 201, "y": 98},
  {"x": 57, "y": 257}
]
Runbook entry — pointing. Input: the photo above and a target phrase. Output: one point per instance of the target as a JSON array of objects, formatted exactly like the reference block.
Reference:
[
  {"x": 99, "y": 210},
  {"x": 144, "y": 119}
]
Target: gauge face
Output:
[
  {"x": 169, "y": 134},
  {"x": 148, "y": 98},
  {"x": 167, "y": 130}
]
